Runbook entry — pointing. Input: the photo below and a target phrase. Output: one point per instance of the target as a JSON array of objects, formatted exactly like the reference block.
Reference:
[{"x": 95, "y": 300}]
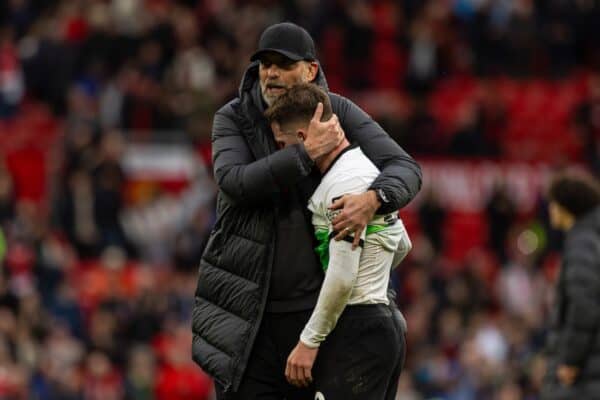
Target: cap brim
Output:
[{"x": 291, "y": 56}]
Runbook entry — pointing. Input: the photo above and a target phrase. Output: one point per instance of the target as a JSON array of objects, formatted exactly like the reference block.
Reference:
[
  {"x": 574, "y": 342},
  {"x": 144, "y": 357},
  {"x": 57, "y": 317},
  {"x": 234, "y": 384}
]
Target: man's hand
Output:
[
  {"x": 566, "y": 374},
  {"x": 322, "y": 137},
  {"x": 298, "y": 370},
  {"x": 357, "y": 211}
]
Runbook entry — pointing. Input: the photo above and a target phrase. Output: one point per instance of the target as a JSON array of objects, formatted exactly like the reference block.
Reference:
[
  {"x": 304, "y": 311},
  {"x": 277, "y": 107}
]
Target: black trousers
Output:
[
  {"x": 362, "y": 357},
  {"x": 400, "y": 325},
  {"x": 264, "y": 378}
]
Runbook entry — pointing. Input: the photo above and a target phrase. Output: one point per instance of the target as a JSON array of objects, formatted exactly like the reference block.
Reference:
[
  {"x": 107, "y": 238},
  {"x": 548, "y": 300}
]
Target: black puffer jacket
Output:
[
  {"x": 575, "y": 338},
  {"x": 235, "y": 270}
]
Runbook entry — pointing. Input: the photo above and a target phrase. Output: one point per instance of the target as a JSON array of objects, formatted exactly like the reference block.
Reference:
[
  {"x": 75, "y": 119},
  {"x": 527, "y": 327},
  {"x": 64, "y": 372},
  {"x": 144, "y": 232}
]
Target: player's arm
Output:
[
  {"x": 335, "y": 292},
  {"x": 333, "y": 297},
  {"x": 342, "y": 270}
]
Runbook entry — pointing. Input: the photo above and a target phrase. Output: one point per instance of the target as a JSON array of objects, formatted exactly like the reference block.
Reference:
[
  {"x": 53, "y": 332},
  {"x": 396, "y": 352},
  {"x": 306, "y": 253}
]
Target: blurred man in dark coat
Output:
[{"x": 574, "y": 339}]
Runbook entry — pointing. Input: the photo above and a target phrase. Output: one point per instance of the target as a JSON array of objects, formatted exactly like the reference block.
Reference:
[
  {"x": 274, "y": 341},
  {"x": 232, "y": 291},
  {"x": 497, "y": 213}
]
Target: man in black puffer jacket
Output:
[
  {"x": 574, "y": 340},
  {"x": 259, "y": 277}
]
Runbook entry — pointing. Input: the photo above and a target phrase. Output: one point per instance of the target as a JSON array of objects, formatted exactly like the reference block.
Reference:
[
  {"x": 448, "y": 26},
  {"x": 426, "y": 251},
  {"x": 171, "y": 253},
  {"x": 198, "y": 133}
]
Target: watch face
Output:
[{"x": 382, "y": 197}]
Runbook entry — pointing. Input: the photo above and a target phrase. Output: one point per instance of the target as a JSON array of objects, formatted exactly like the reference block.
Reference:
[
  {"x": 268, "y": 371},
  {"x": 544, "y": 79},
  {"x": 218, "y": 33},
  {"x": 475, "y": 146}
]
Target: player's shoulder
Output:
[
  {"x": 342, "y": 183},
  {"x": 353, "y": 163},
  {"x": 351, "y": 172}
]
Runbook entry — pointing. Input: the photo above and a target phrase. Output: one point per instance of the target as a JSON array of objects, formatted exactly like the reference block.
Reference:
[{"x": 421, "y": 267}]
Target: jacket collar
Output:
[{"x": 588, "y": 220}]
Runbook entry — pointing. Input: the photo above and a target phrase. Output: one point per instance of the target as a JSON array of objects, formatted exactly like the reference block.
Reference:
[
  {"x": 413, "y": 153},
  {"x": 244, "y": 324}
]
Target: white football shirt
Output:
[{"x": 385, "y": 242}]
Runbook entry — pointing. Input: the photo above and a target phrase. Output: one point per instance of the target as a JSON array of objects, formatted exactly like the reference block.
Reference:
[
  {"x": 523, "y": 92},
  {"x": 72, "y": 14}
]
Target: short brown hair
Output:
[
  {"x": 576, "y": 191},
  {"x": 299, "y": 104}
]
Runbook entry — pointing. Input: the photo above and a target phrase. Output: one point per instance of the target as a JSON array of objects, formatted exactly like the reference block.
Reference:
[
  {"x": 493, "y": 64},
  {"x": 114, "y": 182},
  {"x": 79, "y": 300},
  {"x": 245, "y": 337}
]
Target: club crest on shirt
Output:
[{"x": 331, "y": 214}]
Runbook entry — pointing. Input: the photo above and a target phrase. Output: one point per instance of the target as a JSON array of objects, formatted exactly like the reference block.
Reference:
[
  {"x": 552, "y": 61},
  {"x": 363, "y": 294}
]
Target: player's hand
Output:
[
  {"x": 322, "y": 137},
  {"x": 357, "y": 211},
  {"x": 298, "y": 370},
  {"x": 566, "y": 374}
]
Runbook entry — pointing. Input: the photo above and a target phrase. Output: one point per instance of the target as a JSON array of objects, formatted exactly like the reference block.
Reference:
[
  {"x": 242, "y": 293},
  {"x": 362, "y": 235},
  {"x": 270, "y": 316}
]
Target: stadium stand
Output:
[{"x": 489, "y": 96}]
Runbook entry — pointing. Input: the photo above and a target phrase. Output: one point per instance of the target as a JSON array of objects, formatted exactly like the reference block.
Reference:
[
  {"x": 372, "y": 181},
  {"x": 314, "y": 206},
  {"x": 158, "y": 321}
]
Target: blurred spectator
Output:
[
  {"x": 478, "y": 126},
  {"x": 357, "y": 23},
  {"x": 77, "y": 214},
  {"x": 191, "y": 241},
  {"x": 141, "y": 374},
  {"x": 179, "y": 378},
  {"x": 423, "y": 131},
  {"x": 522, "y": 38},
  {"x": 33, "y": 325},
  {"x": 518, "y": 292},
  {"x": 101, "y": 380},
  {"x": 587, "y": 122},
  {"x": 19, "y": 14},
  {"x": 491, "y": 114},
  {"x": 109, "y": 180},
  {"x": 192, "y": 74},
  {"x": 431, "y": 218},
  {"x": 46, "y": 53},
  {"x": 13, "y": 380},
  {"x": 558, "y": 30},
  {"x": 574, "y": 208},
  {"x": 7, "y": 197},
  {"x": 146, "y": 316},
  {"x": 12, "y": 85},
  {"x": 8, "y": 300},
  {"x": 501, "y": 213},
  {"x": 103, "y": 336},
  {"x": 423, "y": 57}
]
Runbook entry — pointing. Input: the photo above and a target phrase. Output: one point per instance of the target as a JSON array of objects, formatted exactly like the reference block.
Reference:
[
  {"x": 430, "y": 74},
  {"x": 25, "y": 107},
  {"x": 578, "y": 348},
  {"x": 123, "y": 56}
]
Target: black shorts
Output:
[{"x": 359, "y": 359}]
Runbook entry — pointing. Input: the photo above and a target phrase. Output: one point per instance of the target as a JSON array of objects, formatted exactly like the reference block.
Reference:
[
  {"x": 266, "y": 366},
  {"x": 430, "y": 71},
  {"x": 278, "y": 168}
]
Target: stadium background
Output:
[{"x": 106, "y": 194}]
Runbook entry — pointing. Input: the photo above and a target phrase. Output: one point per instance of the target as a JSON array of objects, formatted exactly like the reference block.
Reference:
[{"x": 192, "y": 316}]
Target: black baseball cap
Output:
[{"x": 288, "y": 39}]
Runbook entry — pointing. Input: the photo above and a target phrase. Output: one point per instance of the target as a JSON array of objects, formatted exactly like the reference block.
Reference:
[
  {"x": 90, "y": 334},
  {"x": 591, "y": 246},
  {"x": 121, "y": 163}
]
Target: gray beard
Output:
[{"x": 267, "y": 101}]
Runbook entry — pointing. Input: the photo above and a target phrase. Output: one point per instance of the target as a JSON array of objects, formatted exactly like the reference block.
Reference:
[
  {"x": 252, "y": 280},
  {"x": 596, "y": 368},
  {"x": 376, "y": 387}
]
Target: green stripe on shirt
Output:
[{"x": 323, "y": 240}]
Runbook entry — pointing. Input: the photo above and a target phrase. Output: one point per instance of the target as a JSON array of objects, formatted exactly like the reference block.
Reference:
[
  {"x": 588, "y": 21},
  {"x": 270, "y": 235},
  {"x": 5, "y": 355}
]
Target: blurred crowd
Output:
[
  {"x": 477, "y": 325},
  {"x": 91, "y": 309}
]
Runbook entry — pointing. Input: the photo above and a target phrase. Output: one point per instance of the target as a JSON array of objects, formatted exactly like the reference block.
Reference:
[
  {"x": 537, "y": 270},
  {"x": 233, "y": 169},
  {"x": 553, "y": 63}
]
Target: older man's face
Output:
[{"x": 278, "y": 73}]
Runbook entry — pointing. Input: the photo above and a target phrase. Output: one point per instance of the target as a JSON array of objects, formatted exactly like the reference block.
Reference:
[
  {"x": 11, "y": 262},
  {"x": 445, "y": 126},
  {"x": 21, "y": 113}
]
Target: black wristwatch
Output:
[{"x": 383, "y": 199}]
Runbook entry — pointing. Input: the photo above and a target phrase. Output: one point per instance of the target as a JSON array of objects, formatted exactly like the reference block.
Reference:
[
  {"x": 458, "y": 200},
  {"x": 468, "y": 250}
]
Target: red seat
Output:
[{"x": 464, "y": 232}]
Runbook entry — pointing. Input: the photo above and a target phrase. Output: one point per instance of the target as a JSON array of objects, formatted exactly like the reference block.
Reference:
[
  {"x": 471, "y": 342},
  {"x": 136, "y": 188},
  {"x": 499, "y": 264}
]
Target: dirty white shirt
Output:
[{"x": 359, "y": 276}]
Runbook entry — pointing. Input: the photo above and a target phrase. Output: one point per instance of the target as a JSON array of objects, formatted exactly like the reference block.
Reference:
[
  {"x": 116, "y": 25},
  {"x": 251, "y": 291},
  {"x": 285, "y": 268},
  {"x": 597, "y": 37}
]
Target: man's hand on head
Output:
[
  {"x": 356, "y": 212},
  {"x": 322, "y": 137}
]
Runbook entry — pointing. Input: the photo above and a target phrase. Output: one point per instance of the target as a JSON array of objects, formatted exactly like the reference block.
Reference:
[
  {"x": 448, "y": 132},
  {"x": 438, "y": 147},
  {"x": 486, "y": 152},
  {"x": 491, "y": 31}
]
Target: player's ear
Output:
[
  {"x": 301, "y": 135},
  {"x": 275, "y": 127}
]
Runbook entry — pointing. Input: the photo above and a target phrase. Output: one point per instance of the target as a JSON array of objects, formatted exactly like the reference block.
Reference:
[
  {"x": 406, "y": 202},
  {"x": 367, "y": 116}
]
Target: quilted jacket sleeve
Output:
[{"x": 244, "y": 179}]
